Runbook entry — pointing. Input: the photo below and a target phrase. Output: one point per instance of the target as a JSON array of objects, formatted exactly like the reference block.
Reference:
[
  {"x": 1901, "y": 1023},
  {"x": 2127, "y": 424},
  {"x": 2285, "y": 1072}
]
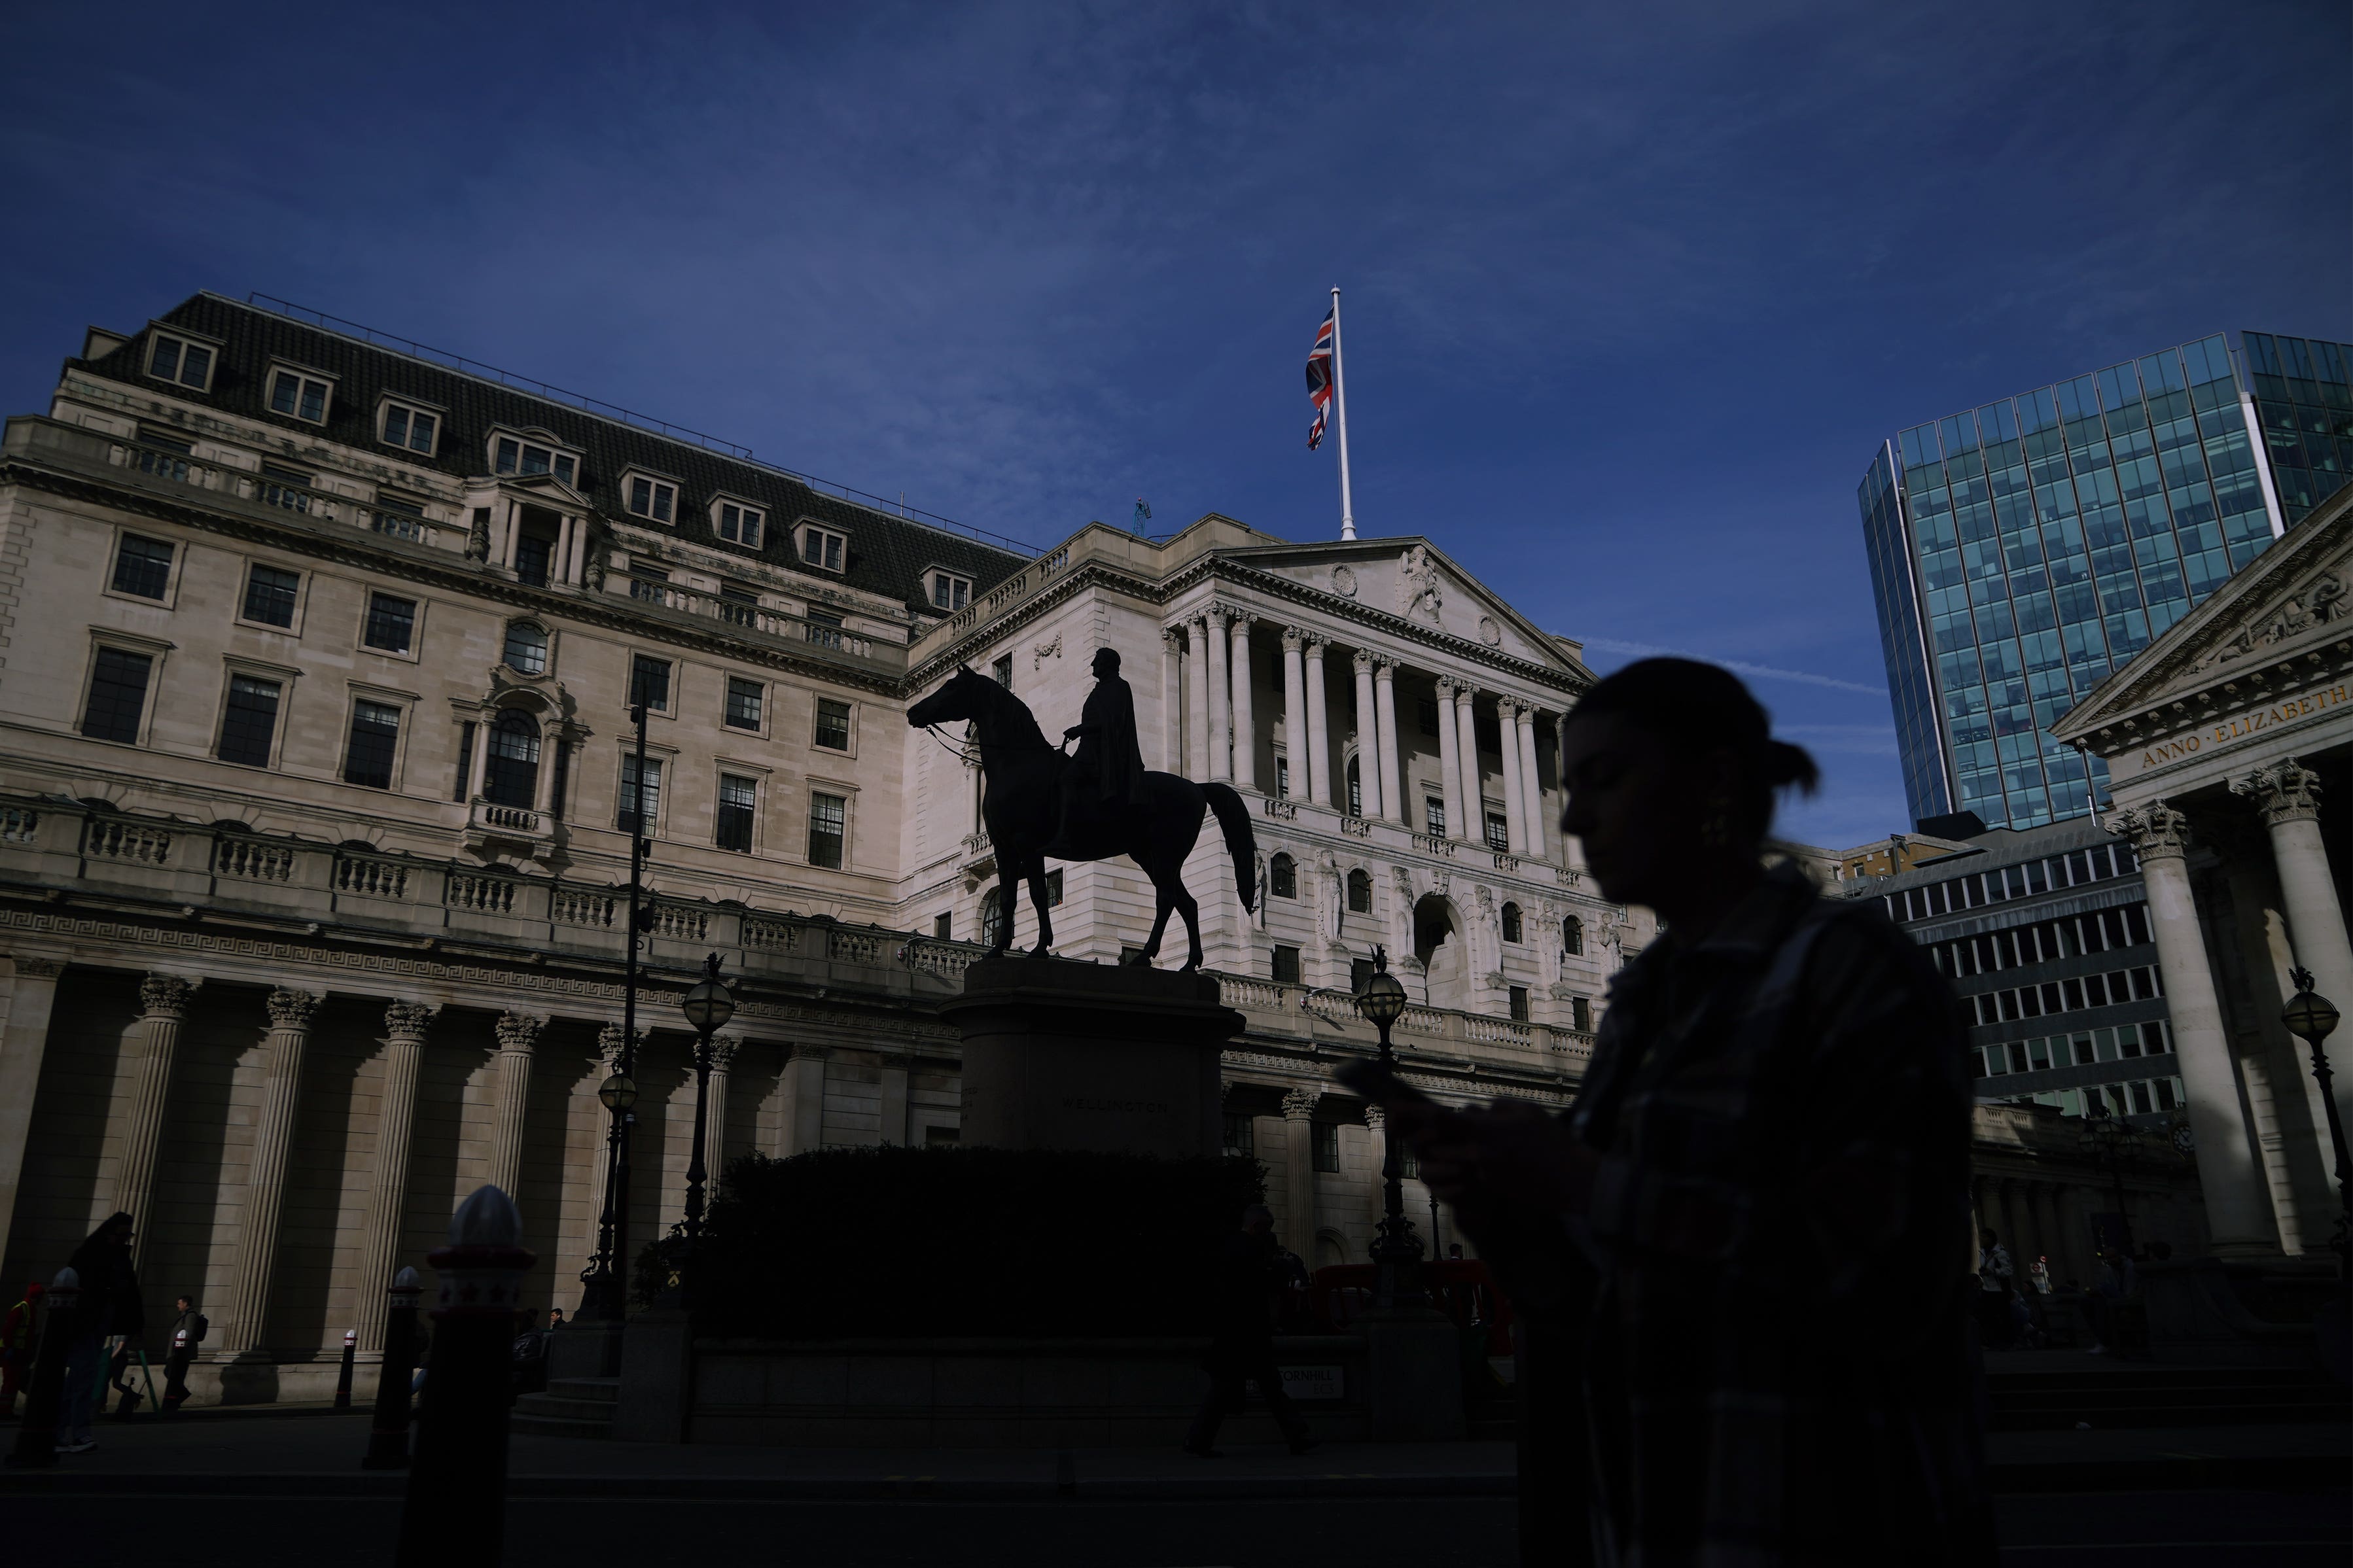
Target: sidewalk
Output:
[{"x": 317, "y": 1455}]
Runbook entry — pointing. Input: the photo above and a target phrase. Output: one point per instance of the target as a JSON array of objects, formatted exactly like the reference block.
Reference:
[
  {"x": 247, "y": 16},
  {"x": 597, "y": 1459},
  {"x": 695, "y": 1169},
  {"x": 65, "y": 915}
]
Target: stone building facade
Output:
[{"x": 317, "y": 789}]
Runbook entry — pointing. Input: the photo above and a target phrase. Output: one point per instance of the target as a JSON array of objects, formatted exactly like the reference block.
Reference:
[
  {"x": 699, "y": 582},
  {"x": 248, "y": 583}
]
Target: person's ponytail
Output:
[{"x": 1784, "y": 765}]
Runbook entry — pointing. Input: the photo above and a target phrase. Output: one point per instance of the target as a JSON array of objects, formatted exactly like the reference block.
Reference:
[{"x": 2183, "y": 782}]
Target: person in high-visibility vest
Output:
[{"x": 188, "y": 1333}]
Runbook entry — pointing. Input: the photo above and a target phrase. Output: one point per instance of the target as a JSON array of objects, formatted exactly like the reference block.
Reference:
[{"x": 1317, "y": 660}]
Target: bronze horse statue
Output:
[{"x": 1021, "y": 795}]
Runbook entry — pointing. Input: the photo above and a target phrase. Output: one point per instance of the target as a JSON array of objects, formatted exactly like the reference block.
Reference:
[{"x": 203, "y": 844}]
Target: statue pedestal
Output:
[{"x": 1083, "y": 1055}]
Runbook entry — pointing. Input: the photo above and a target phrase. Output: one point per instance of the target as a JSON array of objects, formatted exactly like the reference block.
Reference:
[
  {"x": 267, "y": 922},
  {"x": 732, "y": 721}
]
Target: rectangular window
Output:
[
  {"x": 298, "y": 396},
  {"x": 1580, "y": 1014},
  {"x": 822, "y": 548},
  {"x": 118, "y": 695},
  {"x": 1499, "y": 833},
  {"x": 1053, "y": 889},
  {"x": 829, "y": 828},
  {"x": 464, "y": 759},
  {"x": 563, "y": 780},
  {"x": 524, "y": 457},
  {"x": 1240, "y": 1133},
  {"x": 1360, "y": 974},
  {"x": 142, "y": 566},
  {"x": 175, "y": 359},
  {"x": 1519, "y": 996},
  {"x": 649, "y": 683},
  {"x": 832, "y": 724},
  {"x": 744, "y": 702},
  {"x": 944, "y": 926},
  {"x": 411, "y": 427},
  {"x": 640, "y": 799},
  {"x": 1433, "y": 815},
  {"x": 938, "y": 1137},
  {"x": 270, "y": 596},
  {"x": 739, "y": 525},
  {"x": 738, "y": 798},
  {"x": 391, "y": 623},
  {"x": 376, "y": 734},
  {"x": 1283, "y": 778},
  {"x": 250, "y": 723},
  {"x": 1286, "y": 965},
  {"x": 1003, "y": 671},
  {"x": 652, "y": 498},
  {"x": 1324, "y": 1141},
  {"x": 950, "y": 592}
]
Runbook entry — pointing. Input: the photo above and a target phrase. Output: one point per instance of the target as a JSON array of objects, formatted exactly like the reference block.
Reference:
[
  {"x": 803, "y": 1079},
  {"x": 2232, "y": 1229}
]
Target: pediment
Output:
[
  {"x": 546, "y": 490},
  {"x": 1413, "y": 580},
  {"x": 2288, "y": 608}
]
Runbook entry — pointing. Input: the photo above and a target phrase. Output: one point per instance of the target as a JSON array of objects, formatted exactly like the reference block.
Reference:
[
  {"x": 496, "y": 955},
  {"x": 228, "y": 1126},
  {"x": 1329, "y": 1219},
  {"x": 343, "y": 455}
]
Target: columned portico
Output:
[
  {"x": 163, "y": 1003},
  {"x": 2288, "y": 795},
  {"x": 518, "y": 1035},
  {"x": 1299, "y": 1170},
  {"x": 406, "y": 1027},
  {"x": 273, "y": 1136}
]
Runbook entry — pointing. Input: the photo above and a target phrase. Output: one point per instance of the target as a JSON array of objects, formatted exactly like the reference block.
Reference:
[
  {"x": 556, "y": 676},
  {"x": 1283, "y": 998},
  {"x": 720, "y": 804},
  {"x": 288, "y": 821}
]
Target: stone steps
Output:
[
  {"x": 2162, "y": 1396},
  {"x": 571, "y": 1407}
]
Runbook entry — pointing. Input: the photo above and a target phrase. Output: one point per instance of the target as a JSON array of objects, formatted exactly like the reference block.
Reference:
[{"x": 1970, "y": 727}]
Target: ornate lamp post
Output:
[
  {"x": 602, "y": 1294},
  {"x": 2310, "y": 1016},
  {"x": 1397, "y": 1251},
  {"x": 708, "y": 1007},
  {"x": 2111, "y": 1143}
]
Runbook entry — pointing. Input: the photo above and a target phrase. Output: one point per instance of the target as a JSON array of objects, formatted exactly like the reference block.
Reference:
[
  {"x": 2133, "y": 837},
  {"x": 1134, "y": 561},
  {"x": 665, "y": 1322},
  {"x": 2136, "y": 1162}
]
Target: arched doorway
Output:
[{"x": 1438, "y": 943}]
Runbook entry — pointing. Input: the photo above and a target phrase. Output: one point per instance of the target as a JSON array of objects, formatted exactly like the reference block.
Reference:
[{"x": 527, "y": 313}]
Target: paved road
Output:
[{"x": 2145, "y": 1530}]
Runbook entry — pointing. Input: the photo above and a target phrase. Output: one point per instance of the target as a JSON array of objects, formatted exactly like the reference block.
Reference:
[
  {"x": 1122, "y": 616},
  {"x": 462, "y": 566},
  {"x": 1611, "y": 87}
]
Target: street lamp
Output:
[
  {"x": 708, "y": 1007},
  {"x": 1397, "y": 1251},
  {"x": 2310, "y": 1016},
  {"x": 602, "y": 1295}
]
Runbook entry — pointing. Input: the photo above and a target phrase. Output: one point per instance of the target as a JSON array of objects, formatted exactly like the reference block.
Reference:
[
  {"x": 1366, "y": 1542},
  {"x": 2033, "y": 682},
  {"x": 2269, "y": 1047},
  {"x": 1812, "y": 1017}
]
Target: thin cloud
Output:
[{"x": 1740, "y": 667}]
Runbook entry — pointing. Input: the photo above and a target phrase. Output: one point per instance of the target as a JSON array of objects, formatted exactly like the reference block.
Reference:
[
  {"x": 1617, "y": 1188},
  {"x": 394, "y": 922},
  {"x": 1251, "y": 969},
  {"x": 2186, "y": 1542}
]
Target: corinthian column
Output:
[
  {"x": 2287, "y": 794},
  {"x": 1384, "y": 727},
  {"x": 405, "y": 1025},
  {"x": 1172, "y": 700},
  {"x": 164, "y": 1000},
  {"x": 2237, "y": 1215},
  {"x": 1449, "y": 767},
  {"x": 1466, "y": 754},
  {"x": 1368, "y": 748},
  {"x": 1515, "y": 806},
  {"x": 32, "y": 992},
  {"x": 1213, "y": 637},
  {"x": 714, "y": 1122},
  {"x": 1299, "y": 1171},
  {"x": 1531, "y": 782},
  {"x": 273, "y": 1136},
  {"x": 517, "y": 1033},
  {"x": 1245, "y": 720},
  {"x": 1196, "y": 700},
  {"x": 1319, "y": 723},
  {"x": 1295, "y": 713}
]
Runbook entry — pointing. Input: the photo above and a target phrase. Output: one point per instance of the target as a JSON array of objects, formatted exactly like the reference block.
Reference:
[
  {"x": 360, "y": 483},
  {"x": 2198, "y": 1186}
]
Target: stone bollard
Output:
[
  {"x": 344, "y": 1378},
  {"x": 387, "y": 1446},
  {"x": 37, "y": 1439},
  {"x": 455, "y": 1511}
]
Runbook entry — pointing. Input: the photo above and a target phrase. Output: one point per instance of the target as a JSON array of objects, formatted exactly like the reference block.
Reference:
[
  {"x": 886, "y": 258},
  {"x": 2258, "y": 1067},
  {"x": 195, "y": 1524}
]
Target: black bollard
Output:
[
  {"x": 455, "y": 1512},
  {"x": 387, "y": 1446},
  {"x": 344, "y": 1378},
  {"x": 37, "y": 1439}
]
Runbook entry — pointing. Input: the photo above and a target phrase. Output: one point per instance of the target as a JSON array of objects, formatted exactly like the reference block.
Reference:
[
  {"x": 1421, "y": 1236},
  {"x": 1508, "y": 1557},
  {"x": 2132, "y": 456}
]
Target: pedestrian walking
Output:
[
  {"x": 109, "y": 1306},
  {"x": 1250, "y": 1274},
  {"x": 188, "y": 1330},
  {"x": 18, "y": 1333},
  {"x": 1745, "y": 1243},
  {"x": 1995, "y": 1286}
]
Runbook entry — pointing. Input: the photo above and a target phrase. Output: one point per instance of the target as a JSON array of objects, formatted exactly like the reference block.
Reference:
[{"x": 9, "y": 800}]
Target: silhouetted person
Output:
[
  {"x": 1242, "y": 1336},
  {"x": 20, "y": 1331},
  {"x": 109, "y": 1305},
  {"x": 1106, "y": 772},
  {"x": 1997, "y": 1282},
  {"x": 1744, "y": 1246},
  {"x": 188, "y": 1331}
]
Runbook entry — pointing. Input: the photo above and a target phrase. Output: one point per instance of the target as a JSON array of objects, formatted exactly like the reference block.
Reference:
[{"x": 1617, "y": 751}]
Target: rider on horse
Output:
[{"x": 1107, "y": 770}]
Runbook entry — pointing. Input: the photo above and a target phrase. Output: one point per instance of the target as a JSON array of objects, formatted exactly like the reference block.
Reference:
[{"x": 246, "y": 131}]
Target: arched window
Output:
[
  {"x": 526, "y": 648},
  {"x": 1356, "y": 790},
  {"x": 1360, "y": 891},
  {"x": 513, "y": 771},
  {"x": 1282, "y": 876},
  {"x": 1511, "y": 922},
  {"x": 992, "y": 918},
  {"x": 1572, "y": 936}
]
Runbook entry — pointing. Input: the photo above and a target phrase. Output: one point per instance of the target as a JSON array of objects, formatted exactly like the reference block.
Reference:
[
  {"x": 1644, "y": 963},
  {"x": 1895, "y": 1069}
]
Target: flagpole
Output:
[{"x": 1340, "y": 415}]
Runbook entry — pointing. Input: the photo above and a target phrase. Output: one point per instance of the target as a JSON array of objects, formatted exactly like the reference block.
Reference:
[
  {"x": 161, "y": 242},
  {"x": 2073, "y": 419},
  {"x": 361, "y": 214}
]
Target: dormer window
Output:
[
  {"x": 299, "y": 393},
  {"x": 520, "y": 454},
  {"x": 948, "y": 591},
  {"x": 822, "y": 548},
  {"x": 739, "y": 524},
  {"x": 407, "y": 426},
  {"x": 180, "y": 361},
  {"x": 650, "y": 499}
]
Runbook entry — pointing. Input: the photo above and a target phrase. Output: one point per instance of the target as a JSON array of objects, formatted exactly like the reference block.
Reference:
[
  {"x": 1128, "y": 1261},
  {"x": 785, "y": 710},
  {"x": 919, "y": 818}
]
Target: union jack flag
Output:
[{"x": 1319, "y": 380}]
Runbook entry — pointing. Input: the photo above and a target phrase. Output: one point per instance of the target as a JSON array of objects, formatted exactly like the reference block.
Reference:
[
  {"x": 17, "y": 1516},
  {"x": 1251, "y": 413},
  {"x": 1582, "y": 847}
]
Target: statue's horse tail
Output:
[{"x": 1234, "y": 817}]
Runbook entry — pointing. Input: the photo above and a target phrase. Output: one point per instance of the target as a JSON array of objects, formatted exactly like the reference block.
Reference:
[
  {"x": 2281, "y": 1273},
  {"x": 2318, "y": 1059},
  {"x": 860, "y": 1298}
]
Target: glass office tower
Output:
[{"x": 2022, "y": 550}]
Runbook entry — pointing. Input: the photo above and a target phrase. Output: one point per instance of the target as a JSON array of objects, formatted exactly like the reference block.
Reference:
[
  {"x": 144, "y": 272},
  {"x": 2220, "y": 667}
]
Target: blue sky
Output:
[{"x": 1633, "y": 292}]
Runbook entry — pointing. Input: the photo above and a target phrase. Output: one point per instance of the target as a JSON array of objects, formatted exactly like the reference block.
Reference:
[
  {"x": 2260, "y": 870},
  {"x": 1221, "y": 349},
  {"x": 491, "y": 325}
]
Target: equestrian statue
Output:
[{"x": 1091, "y": 805}]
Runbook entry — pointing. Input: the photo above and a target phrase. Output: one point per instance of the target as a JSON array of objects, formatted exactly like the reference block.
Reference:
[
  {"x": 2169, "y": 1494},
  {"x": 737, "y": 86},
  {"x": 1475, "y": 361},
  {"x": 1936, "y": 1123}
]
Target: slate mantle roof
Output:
[{"x": 887, "y": 554}]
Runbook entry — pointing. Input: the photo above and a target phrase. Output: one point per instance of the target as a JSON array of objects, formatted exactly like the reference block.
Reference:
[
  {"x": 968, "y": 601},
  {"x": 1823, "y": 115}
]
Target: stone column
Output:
[
  {"x": 1295, "y": 714},
  {"x": 1245, "y": 719},
  {"x": 479, "y": 781},
  {"x": 1449, "y": 767},
  {"x": 1299, "y": 1171},
  {"x": 550, "y": 742},
  {"x": 801, "y": 1119},
  {"x": 1466, "y": 754},
  {"x": 1532, "y": 799},
  {"x": 32, "y": 995},
  {"x": 609, "y": 1049},
  {"x": 273, "y": 1136},
  {"x": 714, "y": 1120},
  {"x": 517, "y": 1033},
  {"x": 2285, "y": 793},
  {"x": 1319, "y": 723},
  {"x": 2237, "y": 1213},
  {"x": 1172, "y": 700},
  {"x": 1197, "y": 703},
  {"x": 1368, "y": 767},
  {"x": 405, "y": 1025},
  {"x": 164, "y": 1000},
  {"x": 1221, "y": 718},
  {"x": 1515, "y": 806},
  {"x": 1385, "y": 727}
]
